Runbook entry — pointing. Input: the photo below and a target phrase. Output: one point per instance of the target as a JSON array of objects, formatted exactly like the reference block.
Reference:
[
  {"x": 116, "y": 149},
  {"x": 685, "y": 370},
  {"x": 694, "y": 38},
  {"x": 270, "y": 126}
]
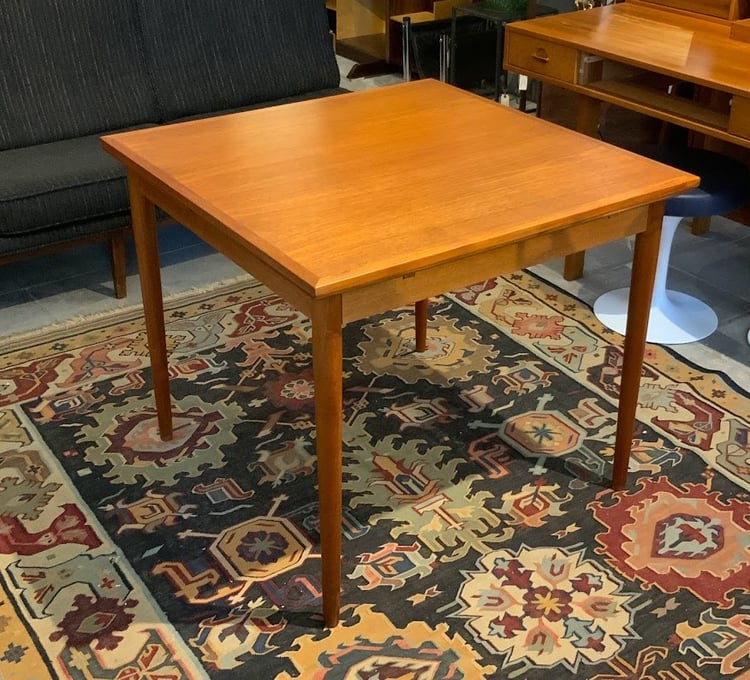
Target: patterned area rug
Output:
[{"x": 481, "y": 540}]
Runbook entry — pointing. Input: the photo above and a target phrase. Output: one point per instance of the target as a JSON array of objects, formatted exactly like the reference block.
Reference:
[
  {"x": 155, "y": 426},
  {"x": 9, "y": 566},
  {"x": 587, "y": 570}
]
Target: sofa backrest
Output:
[
  {"x": 215, "y": 55},
  {"x": 70, "y": 68}
]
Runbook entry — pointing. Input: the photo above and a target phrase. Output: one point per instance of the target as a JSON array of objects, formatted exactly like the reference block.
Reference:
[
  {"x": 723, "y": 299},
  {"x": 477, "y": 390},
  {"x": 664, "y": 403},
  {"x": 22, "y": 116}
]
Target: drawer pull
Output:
[{"x": 541, "y": 55}]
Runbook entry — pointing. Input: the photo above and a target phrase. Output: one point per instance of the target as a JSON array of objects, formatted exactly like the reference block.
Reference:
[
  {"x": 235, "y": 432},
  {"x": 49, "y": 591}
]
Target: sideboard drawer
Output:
[
  {"x": 532, "y": 55},
  {"x": 739, "y": 117}
]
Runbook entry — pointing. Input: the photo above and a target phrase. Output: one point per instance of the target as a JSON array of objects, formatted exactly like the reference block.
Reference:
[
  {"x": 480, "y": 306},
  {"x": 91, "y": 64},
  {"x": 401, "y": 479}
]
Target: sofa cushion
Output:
[
  {"x": 70, "y": 68},
  {"x": 214, "y": 55},
  {"x": 59, "y": 183}
]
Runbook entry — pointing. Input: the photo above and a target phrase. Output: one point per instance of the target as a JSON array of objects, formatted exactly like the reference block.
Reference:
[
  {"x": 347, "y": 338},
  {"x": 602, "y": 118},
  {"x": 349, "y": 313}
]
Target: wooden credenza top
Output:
[
  {"x": 690, "y": 48},
  {"x": 638, "y": 56}
]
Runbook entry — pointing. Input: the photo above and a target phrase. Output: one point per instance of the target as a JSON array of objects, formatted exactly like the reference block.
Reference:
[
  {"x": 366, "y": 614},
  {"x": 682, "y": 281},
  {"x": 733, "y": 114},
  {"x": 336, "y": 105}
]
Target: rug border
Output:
[
  {"x": 669, "y": 349},
  {"x": 86, "y": 322}
]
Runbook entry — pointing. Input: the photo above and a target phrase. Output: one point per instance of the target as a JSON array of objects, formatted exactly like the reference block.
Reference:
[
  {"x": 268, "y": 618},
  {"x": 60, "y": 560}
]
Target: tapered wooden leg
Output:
[
  {"x": 587, "y": 122},
  {"x": 143, "y": 217},
  {"x": 645, "y": 258},
  {"x": 421, "y": 309},
  {"x": 119, "y": 264},
  {"x": 327, "y": 371}
]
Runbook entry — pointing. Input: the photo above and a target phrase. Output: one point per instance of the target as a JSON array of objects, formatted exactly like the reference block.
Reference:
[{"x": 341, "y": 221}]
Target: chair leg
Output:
[
  {"x": 700, "y": 225},
  {"x": 405, "y": 48},
  {"x": 118, "y": 264},
  {"x": 675, "y": 318},
  {"x": 420, "y": 324}
]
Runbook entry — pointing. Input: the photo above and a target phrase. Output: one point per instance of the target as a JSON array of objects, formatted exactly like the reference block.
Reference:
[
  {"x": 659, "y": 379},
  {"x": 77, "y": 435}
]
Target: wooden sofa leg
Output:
[
  {"x": 119, "y": 265},
  {"x": 574, "y": 266}
]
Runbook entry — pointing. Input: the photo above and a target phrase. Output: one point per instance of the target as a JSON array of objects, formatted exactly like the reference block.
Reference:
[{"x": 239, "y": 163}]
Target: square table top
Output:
[{"x": 344, "y": 191}]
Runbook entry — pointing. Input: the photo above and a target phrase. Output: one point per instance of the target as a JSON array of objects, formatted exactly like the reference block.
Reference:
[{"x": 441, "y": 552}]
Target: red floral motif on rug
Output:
[{"x": 676, "y": 537}]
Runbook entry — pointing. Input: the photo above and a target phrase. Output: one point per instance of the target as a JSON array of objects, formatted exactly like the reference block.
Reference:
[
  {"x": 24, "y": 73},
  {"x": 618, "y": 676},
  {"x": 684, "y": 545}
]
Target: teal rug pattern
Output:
[{"x": 481, "y": 539}]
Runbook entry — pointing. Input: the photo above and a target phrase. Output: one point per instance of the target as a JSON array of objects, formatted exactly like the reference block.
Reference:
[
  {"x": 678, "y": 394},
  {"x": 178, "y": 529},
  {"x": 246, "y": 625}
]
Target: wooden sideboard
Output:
[
  {"x": 685, "y": 62},
  {"x": 638, "y": 56}
]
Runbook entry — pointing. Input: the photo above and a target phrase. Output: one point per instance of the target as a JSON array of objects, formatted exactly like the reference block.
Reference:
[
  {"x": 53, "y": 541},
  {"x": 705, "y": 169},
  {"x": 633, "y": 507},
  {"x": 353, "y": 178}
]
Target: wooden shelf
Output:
[
  {"x": 415, "y": 17},
  {"x": 650, "y": 101}
]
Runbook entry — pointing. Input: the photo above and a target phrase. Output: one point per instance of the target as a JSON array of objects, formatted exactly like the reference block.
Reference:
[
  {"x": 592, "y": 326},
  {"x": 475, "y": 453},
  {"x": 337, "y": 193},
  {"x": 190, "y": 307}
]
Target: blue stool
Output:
[{"x": 675, "y": 317}]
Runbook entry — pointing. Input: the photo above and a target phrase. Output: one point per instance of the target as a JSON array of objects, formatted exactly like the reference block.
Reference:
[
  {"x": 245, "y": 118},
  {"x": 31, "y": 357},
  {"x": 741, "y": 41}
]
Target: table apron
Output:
[
  {"x": 218, "y": 237},
  {"x": 383, "y": 295},
  {"x": 424, "y": 283}
]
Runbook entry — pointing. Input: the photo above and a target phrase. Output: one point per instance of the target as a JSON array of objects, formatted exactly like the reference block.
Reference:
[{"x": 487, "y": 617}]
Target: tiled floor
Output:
[{"x": 77, "y": 282}]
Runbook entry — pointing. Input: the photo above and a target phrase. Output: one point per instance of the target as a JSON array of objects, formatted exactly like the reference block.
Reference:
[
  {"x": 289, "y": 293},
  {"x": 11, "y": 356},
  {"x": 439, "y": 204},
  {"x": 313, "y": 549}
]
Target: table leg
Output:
[
  {"x": 587, "y": 122},
  {"x": 421, "y": 309},
  {"x": 573, "y": 267},
  {"x": 327, "y": 371},
  {"x": 143, "y": 217},
  {"x": 588, "y": 115},
  {"x": 645, "y": 258}
]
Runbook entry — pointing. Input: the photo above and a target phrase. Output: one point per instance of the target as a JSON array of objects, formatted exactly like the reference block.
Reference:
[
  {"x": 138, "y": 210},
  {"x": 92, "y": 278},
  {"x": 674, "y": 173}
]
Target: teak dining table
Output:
[{"x": 351, "y": 205}]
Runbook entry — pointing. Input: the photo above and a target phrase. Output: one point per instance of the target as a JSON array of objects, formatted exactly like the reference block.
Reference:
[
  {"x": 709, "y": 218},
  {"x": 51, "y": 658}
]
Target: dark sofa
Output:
[{"x": 73, "y": 70}]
